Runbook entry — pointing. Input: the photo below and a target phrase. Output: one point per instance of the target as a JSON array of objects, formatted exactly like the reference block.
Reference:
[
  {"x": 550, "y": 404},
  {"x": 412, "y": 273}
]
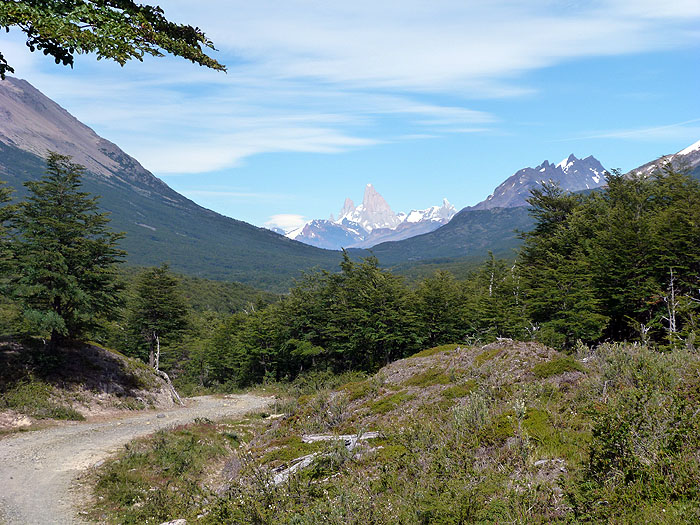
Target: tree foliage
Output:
[
  {"x": 65, "y": 254},
  {"x": 157, "y": 312},
  {"x": 620, "y": 263},
  {"x": 606, "y": 265},
  {"x": 6, "y": 214},
  {"x": 118, "y": 30}
]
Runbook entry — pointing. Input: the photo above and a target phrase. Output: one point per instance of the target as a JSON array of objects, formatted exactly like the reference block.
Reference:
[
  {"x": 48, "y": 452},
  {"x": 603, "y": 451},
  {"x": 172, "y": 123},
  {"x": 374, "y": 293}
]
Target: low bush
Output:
[{"x": 557, "y": 366}]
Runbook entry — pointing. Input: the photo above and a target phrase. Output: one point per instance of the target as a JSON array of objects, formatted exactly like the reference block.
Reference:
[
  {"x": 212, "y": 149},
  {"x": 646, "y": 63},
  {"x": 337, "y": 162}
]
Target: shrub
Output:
[
  {"x": 436, "y": 350},
  {"x": 432, "y": 376},
  {"x": 557, "y": 366},
  {"x": 34, "y": 398}
]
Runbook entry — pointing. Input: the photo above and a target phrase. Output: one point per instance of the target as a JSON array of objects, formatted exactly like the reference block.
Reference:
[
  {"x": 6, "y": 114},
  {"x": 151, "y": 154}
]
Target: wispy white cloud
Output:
[
  {"x": 455, "y": 46},
  {"x": 245, "y": 195},
  {"x": 286, "y": 221},
  {"x": 220, "y": 150},
  {"x": 682, "y": 131},
  {"x": 318, "y": 77}
]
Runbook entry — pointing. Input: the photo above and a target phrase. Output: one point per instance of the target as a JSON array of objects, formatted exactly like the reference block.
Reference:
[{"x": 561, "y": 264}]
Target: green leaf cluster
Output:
[
  {"x": 118, "y": 30},
  {"x": 157, "y": 311}
]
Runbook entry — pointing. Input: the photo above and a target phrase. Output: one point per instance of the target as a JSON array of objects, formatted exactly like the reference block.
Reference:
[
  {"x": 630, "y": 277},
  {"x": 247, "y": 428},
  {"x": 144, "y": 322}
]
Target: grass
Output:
[
  {"x": 486, "y": 356},
  {"x": 287, "y": 449},
  {"x": 460, "y": 390},
  {"x": 436, "y": 350},
  {"x": 614, "y": 445},
  {"x": 159, "y": 477},
  {"x": 74, "y": 378},
  {"x": 37, "y": 399},
  {"x": 557, "y": 366},
  {"x": 357, "y": 389},
  {"x": 390, "y": 403},
  {"x": 432, "y": 376}
]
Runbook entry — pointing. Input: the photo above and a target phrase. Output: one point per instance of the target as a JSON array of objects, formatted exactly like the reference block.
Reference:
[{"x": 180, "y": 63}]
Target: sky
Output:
[{"x": 424, "y": 99}]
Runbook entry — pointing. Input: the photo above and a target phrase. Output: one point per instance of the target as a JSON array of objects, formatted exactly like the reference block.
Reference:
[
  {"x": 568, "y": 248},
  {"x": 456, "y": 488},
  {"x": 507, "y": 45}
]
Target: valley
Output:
[{"x": 531, "y": 358}]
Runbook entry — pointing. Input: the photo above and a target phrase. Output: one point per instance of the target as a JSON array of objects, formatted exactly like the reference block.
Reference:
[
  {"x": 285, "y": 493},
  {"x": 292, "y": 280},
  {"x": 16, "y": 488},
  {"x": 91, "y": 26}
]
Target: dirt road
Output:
[{"x": 37, "y": 468}]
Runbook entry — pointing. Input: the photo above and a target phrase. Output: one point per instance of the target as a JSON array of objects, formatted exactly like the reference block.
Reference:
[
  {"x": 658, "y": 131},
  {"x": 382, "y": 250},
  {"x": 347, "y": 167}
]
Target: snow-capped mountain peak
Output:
[
  {"x": 690, "y": 149},
  {"x": 687, "y": 158},
  {"x": 567, "y": 163},
  {"x": 435, "y": 213},
  {"x": 370, "y": 223},
  {"x": 373, "y": 213}
]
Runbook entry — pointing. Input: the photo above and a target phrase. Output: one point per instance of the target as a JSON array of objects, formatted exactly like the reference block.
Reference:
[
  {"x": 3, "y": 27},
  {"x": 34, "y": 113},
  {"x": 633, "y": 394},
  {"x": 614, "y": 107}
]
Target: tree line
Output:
[{"x": 618, "y": 264}]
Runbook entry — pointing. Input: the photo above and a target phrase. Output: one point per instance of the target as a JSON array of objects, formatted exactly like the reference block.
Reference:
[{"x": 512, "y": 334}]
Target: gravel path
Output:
[{"x": 37, "y": 468}]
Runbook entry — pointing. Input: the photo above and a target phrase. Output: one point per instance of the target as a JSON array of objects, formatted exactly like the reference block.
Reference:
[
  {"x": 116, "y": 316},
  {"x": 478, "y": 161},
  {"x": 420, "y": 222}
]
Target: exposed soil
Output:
[
  {"x": 38, "y": 469},
  {"x": 91, "y": 380}
]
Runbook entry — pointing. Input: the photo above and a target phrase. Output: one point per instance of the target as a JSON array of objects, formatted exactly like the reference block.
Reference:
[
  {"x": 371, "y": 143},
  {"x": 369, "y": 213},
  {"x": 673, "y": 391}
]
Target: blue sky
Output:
[{"x": 424, "y": 99}]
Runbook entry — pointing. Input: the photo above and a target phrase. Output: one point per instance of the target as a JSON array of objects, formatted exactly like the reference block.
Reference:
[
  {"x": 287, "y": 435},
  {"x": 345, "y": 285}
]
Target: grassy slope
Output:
[{"x": 510, "y": 432}]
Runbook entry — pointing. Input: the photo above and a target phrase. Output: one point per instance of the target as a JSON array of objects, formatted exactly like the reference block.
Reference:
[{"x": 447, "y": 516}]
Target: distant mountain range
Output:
[
  {"x": 373, "y": 222},
  {"x": 571, "y": 174},
  {"x": 474, "y": 231},
  {"x": 162, "y": 225},
  {"x": 370, "y": 223}
]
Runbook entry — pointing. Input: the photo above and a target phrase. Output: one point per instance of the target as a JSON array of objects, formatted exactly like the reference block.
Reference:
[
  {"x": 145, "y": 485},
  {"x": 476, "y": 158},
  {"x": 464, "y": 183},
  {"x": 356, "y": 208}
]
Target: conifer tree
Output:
[
  {"x": 158, "y": 311},
  {"x": 557, "y": 279},
  {"x": 6, "y": 213},
  {"x": 66, "y": 255}
]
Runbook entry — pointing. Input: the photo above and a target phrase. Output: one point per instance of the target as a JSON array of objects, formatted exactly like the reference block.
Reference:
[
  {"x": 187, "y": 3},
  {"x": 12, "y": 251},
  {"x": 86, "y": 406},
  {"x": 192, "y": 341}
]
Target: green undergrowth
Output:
[
  {"x": 39, "y": 400},
  {"x": 60, "y": 383},
  {"x": 459, "y": 390},
  {"x": 389, "y": 403},
  {"x": 619, "y": 443},
  {"x": 161, "y": 476},
  {"x": 432, "y": 376},
  {"x": 436, "y": 350},
  {"x": 557, "y": 366},
  {"x": 486, "y": 356}
]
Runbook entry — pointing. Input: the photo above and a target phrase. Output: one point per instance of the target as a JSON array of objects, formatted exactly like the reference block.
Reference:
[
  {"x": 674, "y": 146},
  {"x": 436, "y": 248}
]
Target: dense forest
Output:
[{"x": 618, "y": 264}]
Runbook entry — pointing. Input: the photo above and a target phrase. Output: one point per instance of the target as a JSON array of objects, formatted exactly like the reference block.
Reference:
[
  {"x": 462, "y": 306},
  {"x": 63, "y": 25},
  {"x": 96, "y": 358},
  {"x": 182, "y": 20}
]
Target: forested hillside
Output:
[
  {"x": 619, "y": 264},
  {"x": 162, "y": 226}
]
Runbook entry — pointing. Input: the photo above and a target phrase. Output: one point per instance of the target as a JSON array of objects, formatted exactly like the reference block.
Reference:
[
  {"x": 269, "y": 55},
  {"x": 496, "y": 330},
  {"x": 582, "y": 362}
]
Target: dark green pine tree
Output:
[
  {"x": 66, "y": 255},
  {"x": 158, "y": 312},
  {"x": 6, "y": 214}
]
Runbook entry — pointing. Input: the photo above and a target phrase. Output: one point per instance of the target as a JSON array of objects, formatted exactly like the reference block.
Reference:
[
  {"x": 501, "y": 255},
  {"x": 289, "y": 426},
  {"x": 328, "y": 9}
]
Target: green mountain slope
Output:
[
  {"x": 192, "y": 239},
  {"x": 470, "y": 234},
  {"x": 161, "y": 225}
]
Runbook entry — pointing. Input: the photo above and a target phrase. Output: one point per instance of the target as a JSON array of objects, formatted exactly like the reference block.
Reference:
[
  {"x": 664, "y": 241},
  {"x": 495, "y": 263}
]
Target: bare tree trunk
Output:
[
  {"x": 174, "y": 393},
  {"x": 151, "y": 354},
  {"x": 671, "y": 305},
  {"x": 157, "y": 364}
]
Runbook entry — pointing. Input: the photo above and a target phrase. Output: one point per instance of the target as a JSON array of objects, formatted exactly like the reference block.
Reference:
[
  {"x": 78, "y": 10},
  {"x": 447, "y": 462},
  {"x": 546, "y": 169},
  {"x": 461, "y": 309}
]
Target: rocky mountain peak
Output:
[
  {"x": 348, "y": 207},
  {"x": 572, "y": 174},
  {"x": 32, "y": 122},
  {"x": 687, "y": 159},
  {"x": 568, "y": 162},
  {"x": 370, "y": 223}
]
